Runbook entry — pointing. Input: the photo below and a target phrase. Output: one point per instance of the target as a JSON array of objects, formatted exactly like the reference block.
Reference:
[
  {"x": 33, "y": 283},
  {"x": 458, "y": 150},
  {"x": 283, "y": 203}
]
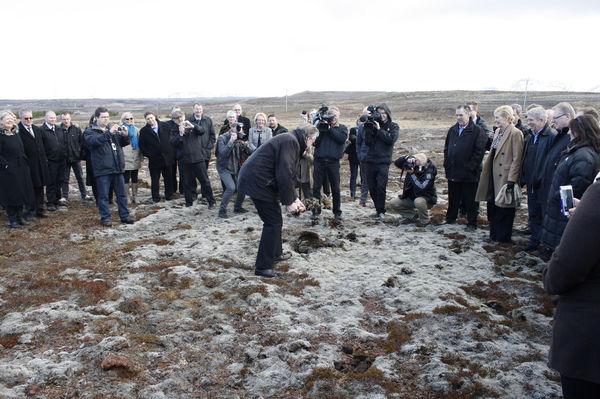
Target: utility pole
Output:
[{"x": 526, "y": 89}]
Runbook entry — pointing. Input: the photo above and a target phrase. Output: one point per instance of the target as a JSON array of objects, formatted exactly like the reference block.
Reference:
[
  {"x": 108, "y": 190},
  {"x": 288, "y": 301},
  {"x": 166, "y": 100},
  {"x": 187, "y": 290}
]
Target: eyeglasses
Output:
[
  {"x": 558, "y": 117},
  {"x": 28, "y": 118},
  {"x": 127, "y": 119}
]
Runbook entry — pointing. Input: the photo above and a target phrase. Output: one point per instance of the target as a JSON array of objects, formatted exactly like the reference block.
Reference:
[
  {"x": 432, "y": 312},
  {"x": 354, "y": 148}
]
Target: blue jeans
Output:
[
  {"x": 103, "y": 184},
  {"x": 230, "y": 182}
]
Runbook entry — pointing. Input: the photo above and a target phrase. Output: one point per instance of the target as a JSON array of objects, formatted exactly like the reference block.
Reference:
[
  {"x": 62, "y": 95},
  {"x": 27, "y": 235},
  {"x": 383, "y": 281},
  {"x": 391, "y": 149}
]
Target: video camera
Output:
[
  {"x": 370, "y": 119},
  {"x": 240, "y": 131},
  {"x": 323, "y": 115}
]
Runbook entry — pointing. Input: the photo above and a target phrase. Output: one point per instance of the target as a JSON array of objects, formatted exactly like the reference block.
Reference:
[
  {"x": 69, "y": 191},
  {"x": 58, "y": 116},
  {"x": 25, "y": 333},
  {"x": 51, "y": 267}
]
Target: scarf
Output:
[{"x": 132, "y": 137}]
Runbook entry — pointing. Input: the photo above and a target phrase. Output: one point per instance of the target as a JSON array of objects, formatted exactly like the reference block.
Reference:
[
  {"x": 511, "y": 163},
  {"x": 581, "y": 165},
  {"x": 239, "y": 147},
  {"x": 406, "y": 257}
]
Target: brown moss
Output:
[
  {"x": 9, "y": 340},
  {"x": 227, "y": 263},
  {"x": 219, "y": 295},
  {"x": 131, "y": 245},
  {"x": 246, "y": 291},
  {"x": 446, "y": 309},
  {"x": 182, "y": 226},
  {"x": 398, "y": 335},
  {"x": 146, "y": 339}
]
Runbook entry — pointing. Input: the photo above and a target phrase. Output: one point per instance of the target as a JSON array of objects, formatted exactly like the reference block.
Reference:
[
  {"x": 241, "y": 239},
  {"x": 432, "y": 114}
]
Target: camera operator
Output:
[
  {"x": 418, "y": 192},
  {"x": 232, "y": 151},
  {"x": 186, "y": 138},
  {"x": 330, "y": 147},
  {"x": 380, "y": 135},
  {"x": 104, "y": 142}
]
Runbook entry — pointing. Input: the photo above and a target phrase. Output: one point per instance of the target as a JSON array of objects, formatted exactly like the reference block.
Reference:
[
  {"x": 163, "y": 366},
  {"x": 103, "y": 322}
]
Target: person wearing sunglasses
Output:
[{"x": 133, "y": 157}]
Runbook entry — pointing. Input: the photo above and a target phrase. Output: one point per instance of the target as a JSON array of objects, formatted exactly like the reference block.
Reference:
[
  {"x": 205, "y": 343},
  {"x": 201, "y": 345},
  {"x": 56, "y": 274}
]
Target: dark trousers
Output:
[
  {"x": 331, "y": 169},
  {"x": 56, "y": 176},
  {"x": 103, "y": 184},
  {"x": 270, "y": 239},
  {"x": 501, "y": 222},
  {"x": 377, "y": 178},
  {"x": 14, "y": 213},
  {"x": 174, "y": 179},
  {"x": 353, "y": 177},
  {"x": 305, "y": 190},
  {"x": 37, "y": 206},
  {"x": 191, "y": 172},
  {"x": 462, "y": 192},
  {"x": 535, "y": 217},
  {"x": 167, "y": 174},
  {"x": 574, "y": 388},
  {"x": 76, "y": 166}
]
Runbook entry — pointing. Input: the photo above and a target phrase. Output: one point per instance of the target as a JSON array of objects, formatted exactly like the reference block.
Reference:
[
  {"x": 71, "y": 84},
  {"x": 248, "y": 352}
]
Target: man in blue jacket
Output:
[
  {"x": 330, "y": 147},
  {"x": 105, "y": 145}
]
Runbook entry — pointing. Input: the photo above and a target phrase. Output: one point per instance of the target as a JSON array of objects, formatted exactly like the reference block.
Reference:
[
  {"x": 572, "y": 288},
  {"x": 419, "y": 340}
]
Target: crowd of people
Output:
[{"x": 551, "y": 149}]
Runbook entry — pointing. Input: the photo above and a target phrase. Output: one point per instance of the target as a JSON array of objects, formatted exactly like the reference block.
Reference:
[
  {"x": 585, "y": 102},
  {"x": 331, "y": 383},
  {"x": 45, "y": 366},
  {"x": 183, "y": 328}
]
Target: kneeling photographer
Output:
[{"x": 418, "y": 193}]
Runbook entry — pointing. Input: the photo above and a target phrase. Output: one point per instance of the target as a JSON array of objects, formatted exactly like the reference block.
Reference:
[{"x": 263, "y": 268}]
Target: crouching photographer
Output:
[{"x": 418, "y": 193}]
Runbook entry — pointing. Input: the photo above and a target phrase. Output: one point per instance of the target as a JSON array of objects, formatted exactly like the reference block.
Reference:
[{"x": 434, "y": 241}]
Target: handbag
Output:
[{"x": 509, "y": 198}]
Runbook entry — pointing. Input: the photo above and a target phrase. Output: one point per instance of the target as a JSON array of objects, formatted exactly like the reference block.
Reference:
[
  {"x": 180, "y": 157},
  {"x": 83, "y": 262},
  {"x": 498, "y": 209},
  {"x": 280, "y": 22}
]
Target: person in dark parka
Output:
[
  {"x": 16, "y": 189},
  {"x": 577, "y": 167},
  {"x": 353, "y": 159},
  {"x": 31, "y": 136},
  {"x": 573, "y": 274},
  {"x": 208, "y": 142},
  {"x": 155, "y": 145},
  {"x": 268, "y": 177},
  {"x": 463, "y": 153}
]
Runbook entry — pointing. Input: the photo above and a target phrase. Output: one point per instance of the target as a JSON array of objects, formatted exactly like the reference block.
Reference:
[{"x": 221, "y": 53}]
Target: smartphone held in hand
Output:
[{"x": 566, "y": 199}]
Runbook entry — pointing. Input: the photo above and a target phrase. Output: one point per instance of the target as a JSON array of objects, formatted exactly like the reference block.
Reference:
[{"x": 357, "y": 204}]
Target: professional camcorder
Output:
[
  {"x": 370, "y": 119},
  {"x": 323, "y": 115}
]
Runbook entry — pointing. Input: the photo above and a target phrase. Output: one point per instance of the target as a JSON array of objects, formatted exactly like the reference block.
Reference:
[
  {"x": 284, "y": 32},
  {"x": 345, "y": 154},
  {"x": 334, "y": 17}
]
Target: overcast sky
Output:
[{"x": 158, "y": 48}]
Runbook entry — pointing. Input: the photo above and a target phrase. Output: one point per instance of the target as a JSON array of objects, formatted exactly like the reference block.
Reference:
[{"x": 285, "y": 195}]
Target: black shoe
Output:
[
  {"x": 188, "y": 205},
  {"x": 223, "y": 214},
  {"x": 29, "y": 217},
  {"x": 129, "y": 220},
  {"x": 450, "y": 222},
  {"x": 265, "y": 273},
  {"x": 212, "y": 205},
  {"x": 41, "y": 215},
  {"x": 154, "y": 200},
  {"x": 470, "y": 227},
  {"x": 22, "y": 222},
  {"x": 240, "y": 210},
  {"x": 338, "y": 217},
  {"x": 106, "y": 223},
  {"x": 527, "y": 248},
  {"x": 283, "y": 257},
  {"x": 51, "y": 208},
  {"x": 14, "y": 225}
]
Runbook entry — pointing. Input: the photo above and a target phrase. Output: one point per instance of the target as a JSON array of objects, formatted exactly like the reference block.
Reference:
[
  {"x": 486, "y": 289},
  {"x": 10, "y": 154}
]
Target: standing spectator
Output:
[
  {"x": 187, "y": 140},
  {"x": 56, "y": 154},
  {"x": 380, "y": 136},
  {"x": 361, "y": 155},
  {"x": 267, "y": 177},
  {"x": 463, "y": 153},
  {"x": 155, "y": 145},
  {"x": 276, "y": 128},
  {"x": 563, "y": 115},
  {"x": 16, "y": 189},
  {"x": 329, "y": 150},
  {"x": 73, "y": 138},
  {"x": 534, "y": 157},
  {"x": 501, "y": 167},
  {"x": 479, "y": 121},
  {"x": 304, "y": 174},
  {"x": 573, "y": 274},
  {"x": 577, "y": 167},
  {"x": 418, "y": 193},
  {"x": 517, "y": 111},
  {"x": 31, "y": 136},
  {"x": 260, "y": 133},
  {"x": 353, "y": 159},
  {"x": 588, "y": 111},
  {"x": 105, "y": 145},
  {"x": 237, "y": 108},
  {"x": 232, "y": 151},
  {"x": 207, "y": 142},
  {"x": 133, "y": 157}
]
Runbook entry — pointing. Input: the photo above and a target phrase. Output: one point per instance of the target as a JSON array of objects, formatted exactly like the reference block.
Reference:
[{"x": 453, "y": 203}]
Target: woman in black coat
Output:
[
  {"x": 574, "y": 275},
  {"x": 577, "y": 167},
  {"x": 16, "y": 189}
]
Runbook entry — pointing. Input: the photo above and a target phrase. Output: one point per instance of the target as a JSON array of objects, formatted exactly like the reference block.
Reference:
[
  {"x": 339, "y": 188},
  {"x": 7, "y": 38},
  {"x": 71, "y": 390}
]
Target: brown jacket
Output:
[
  {"x": 574, "y": 275},
  {"x": 506, "y": 163}
]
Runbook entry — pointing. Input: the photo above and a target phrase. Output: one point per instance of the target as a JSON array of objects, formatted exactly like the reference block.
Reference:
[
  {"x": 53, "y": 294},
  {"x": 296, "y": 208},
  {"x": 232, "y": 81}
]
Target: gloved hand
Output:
[{"x": 510, "y": 185}]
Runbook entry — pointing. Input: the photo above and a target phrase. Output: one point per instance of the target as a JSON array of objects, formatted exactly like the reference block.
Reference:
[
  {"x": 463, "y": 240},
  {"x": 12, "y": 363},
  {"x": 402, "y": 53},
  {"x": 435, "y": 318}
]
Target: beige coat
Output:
[
  {"x": 133, "y": 158},
  {"x": 506, "y": 163}
]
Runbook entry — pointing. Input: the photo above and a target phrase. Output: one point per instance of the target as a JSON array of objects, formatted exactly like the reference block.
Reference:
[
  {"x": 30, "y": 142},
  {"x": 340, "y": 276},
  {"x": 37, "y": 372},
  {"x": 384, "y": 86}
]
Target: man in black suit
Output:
[
  {"x": 154, "y": 144},
  {"x": 207, "y": 142},
  {"x": 56, "y": 153},
  {"x": 31, "y": 136}
]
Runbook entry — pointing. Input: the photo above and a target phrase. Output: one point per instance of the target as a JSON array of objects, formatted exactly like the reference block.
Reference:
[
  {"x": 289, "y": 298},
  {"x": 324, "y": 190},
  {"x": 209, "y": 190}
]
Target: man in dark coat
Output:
[
  {"x": 155, "y": 145},
  {"x": 191, "y": 155},
  {"x": 380, "y": 136},
  {"x": 463, "y": 153},
  {"x": 31, "y": 136},
  {"x": 329, "y": 150},
  {"x": 268, "y": 177},
  {"x": 105, "y": 145},
  {"x": 353, "y": 160},
  {"x": 73, "y": 138},
  {"x": 56, "y": 154},
  {"x": 574, "y": 275},
  {"x": 535, "y": 152},
  {"x": 207, "y": 142},
  {"x": 276, "y": 128}
]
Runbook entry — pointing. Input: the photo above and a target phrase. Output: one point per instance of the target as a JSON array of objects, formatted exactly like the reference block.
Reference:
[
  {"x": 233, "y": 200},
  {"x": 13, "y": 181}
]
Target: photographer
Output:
[
  {"x": 380, "y": 135},
  {"x": 232, "y": 151},
  {"x": 418, "y": 192},
  {"x": 104, "y": 142},
  {"x": 187, "y": 141},
  {"x": 329, "y": 150}
]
